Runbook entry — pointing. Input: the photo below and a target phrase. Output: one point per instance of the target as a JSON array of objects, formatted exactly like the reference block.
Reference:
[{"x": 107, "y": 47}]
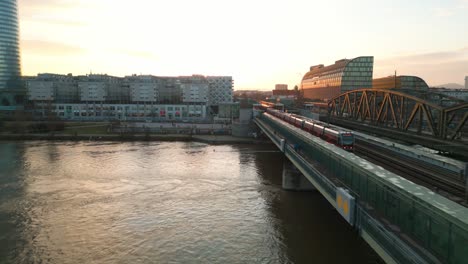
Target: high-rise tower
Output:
[{"x": 10, "y": 70}]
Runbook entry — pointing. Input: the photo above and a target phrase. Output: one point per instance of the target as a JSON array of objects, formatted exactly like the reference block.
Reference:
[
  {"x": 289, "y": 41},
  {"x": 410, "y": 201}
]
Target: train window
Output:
[{"x": 348, "y": 139}]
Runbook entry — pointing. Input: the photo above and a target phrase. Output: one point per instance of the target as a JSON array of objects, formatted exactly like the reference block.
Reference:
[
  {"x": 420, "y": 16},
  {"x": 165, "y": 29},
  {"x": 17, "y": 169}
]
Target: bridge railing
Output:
[{"x": 393, "y": 245}]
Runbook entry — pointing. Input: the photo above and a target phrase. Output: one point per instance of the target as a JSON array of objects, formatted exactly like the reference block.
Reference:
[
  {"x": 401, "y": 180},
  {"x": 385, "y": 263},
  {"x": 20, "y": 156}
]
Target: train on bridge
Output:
[
  {"x": 337, "y": 136},
  {"x": 410, "y": 223}
]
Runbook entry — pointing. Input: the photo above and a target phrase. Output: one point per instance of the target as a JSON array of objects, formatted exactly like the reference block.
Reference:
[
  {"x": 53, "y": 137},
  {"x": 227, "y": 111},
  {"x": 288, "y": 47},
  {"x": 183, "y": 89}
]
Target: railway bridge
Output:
[
  {"x": 403, "y": 222},
  {"x": 420, "y": 117}
]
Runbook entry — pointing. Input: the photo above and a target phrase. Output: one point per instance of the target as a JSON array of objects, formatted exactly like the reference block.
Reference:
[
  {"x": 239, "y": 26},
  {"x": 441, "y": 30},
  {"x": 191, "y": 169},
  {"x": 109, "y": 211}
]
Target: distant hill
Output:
[{"x": 451, "y": 86}]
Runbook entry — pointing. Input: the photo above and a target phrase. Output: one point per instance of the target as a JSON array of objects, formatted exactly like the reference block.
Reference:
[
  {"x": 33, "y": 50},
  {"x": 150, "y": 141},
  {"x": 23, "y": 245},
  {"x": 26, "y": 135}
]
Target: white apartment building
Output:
[
  {"x": 41, "y": 90},
  {"x": 135, "y": 97},
  {"x": 92, "y": 89},
  {"x": 220, "y": 89},
  {"x": 50, "y": 87},
  {"x": 195, "y": 89},
  {"x": 99, "y": 88},
  {"x": 143, "y": 88}
]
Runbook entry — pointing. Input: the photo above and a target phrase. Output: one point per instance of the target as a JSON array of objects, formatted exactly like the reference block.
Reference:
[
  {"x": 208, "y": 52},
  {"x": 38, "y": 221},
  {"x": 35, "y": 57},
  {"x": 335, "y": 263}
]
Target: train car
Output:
[
  {"x": 345, "y": 139},
  {"x": 268, "y": 105},
  {"x": 339, "y": 137},
  {"x": 334, "y": 135},
  {"x": 297, "y": 122}
]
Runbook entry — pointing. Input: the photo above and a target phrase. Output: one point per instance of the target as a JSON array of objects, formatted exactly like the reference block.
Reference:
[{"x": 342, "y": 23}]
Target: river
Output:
[{"x": 162, "y": 202}]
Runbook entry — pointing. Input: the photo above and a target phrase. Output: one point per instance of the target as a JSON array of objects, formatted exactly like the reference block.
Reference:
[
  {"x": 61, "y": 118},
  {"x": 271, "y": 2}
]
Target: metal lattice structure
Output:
[{"x": 411, "y": 111}]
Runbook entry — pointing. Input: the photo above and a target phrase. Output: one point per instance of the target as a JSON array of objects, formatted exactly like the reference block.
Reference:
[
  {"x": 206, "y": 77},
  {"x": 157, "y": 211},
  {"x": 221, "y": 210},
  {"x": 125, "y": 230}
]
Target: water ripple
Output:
[{"x": 152, "y": 202}]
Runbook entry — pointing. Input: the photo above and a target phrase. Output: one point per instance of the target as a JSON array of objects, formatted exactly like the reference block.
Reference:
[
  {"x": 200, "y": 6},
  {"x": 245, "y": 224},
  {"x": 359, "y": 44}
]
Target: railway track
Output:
[
  {"x": 458, "y": 148},
  {"x": 412, "y": 169}
]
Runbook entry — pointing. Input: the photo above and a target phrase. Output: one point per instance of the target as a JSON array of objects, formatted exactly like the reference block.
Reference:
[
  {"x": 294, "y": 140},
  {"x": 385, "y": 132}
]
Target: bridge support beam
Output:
[{"x": 293, "y": 179}]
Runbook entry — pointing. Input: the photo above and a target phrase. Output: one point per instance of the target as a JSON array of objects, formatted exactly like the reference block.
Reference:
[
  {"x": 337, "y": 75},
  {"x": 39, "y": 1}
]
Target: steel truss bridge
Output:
[{"x": 426, "y": 118}]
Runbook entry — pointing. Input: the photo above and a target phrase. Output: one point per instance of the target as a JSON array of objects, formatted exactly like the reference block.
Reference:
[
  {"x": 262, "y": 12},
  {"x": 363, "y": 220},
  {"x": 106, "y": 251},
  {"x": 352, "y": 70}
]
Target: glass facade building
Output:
[
  {"x": 400, "y": 82},
  {"x": 9, "y": 45},
  {"x": 325, "y": 82}
]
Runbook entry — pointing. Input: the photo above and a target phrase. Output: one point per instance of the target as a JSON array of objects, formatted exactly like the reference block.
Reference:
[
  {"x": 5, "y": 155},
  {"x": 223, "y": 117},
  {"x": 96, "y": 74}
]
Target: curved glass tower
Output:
[
  {"x": 325, "y": 82},
  {"x": 9, "y": 45}
]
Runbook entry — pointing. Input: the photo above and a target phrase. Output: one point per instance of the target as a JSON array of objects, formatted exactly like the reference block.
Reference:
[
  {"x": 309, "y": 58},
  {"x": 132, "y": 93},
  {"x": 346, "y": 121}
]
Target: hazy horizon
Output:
[{"x": 259, "y": 43}]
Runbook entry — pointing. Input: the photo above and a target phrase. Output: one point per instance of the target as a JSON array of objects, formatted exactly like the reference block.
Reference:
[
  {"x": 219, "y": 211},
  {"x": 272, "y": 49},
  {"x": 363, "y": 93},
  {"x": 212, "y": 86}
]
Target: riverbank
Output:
[{"x": 211, "y": 139}]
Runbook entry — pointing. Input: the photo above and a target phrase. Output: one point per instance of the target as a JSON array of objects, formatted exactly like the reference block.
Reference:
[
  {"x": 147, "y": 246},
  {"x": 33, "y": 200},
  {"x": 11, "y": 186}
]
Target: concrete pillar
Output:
[{"x": 293, "y": 180}]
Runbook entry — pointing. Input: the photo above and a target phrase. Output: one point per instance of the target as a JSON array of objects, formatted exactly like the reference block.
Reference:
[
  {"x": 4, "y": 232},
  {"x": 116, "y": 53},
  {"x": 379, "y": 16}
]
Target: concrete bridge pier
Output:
[{"x": 293, "y": 179}]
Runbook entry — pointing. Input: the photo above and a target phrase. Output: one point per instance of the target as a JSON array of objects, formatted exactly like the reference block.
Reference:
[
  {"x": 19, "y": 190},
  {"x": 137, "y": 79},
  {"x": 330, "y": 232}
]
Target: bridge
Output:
[
  {"x": 420, "y": 117},
  {"x": 402, "y": 221}
]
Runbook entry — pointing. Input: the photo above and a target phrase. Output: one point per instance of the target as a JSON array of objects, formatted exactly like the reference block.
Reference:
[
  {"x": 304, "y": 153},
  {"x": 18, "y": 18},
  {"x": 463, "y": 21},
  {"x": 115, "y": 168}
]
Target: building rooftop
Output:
[{"x": 318, "y": 69}]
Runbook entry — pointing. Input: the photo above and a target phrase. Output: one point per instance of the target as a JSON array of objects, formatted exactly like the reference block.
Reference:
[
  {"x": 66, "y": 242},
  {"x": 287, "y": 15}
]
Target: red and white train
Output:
[{"x": 339, "y": 137}]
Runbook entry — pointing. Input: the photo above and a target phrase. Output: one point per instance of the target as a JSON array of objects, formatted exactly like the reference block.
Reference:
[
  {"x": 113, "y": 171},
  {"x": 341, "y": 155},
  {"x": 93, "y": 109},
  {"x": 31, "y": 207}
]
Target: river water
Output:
[{"x": 162, "y": 202}]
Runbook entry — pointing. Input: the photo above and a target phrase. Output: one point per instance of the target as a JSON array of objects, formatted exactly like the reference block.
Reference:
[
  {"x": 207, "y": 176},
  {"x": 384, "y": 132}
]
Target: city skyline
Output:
[{"x": 259, "y": 44}]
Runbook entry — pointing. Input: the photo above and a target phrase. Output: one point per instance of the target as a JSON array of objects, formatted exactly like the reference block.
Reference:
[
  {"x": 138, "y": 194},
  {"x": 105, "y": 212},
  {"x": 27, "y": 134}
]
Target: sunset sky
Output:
[{"x": 259, "y": 43}]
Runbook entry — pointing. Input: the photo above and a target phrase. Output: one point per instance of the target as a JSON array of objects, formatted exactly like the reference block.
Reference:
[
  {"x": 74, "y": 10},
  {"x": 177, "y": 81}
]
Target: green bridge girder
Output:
[{"x": 425, "y": 113}]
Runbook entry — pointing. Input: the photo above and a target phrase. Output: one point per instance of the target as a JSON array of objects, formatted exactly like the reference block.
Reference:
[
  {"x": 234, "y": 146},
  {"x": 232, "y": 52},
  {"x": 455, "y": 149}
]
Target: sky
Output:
[{"x": 258, "y": 42}]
